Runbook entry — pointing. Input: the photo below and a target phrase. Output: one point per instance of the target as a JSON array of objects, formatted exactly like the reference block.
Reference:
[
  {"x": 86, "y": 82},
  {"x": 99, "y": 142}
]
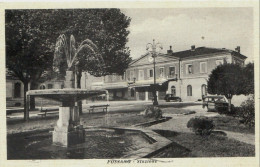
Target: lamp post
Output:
[{"x": 152, "y": 47}]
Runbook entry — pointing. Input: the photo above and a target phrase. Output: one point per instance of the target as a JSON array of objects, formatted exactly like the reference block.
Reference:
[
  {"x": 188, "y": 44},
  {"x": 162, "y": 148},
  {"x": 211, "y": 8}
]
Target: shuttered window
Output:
[{"x": 189, "y": 90}]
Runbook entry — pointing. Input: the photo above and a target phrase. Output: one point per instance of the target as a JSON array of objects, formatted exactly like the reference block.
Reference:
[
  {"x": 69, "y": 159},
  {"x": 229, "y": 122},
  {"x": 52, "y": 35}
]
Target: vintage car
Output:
[
  {"x": 171, "y": 97},
  {"x": 215, "y": 103}
]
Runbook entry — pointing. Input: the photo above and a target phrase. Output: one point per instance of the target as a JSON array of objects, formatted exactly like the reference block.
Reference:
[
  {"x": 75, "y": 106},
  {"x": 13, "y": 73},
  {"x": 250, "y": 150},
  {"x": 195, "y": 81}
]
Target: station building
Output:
[{"x": 183, "y": 74}]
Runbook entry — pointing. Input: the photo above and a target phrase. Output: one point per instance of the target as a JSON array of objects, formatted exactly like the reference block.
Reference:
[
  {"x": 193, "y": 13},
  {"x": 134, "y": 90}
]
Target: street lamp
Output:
[{"x": 151, "y": 48}]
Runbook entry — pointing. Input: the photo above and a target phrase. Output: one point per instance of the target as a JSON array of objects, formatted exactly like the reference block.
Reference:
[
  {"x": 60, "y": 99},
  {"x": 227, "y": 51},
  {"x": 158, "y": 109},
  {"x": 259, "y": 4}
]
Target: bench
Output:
[
  {"x": 91, "y": 108},
  {"x": 44, "y": 112},
  {"x": 10, "y": 111}
]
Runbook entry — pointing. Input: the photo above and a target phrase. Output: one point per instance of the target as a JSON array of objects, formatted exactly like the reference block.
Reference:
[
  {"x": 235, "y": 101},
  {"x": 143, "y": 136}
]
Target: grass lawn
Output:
[
  {"x": 163, "y": 104},
  {"x": 172, "y": 110},
  {"x": 191, "y": 145},
  {"x": 230, "y": 123}
]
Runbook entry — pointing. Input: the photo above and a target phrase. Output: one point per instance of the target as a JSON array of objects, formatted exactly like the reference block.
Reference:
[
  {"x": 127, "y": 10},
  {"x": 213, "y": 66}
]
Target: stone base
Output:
[{"x": 63, "y": 138}]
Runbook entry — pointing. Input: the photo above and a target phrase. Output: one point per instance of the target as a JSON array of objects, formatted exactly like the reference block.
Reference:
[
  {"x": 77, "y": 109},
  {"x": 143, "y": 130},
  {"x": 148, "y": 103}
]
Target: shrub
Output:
[
  {"x": 201, "y": 125},
  {"x": 153, "y": 111},
  {"x": 247, "y": 111},
  {"x": 224, "y": 110}
]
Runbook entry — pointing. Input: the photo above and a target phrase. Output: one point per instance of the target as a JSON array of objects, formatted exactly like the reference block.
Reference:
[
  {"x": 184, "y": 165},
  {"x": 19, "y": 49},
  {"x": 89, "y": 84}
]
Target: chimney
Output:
[
  {"x": 193, "y": 48},
  {"x": 170, "y": 51},
  {"x": 237, "y": 49}
]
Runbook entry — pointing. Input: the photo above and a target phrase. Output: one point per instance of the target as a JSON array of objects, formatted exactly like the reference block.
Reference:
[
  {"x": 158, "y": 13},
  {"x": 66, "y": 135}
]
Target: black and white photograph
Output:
[{"x": 130, "y": 85}]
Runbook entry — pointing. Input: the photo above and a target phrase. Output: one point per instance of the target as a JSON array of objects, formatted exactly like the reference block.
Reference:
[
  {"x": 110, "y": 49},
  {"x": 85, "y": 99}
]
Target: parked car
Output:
[
  {"x": 215, "y": 103},
  {"x": 171, "y": 97}
]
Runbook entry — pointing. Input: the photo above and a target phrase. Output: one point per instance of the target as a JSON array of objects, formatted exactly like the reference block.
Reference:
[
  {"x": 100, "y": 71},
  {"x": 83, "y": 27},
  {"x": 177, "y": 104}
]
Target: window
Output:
[
  {"x": 50, "y": 86},
  {"x": 114, "y": 77},
  {"x": 17, "y": 90},
  {"x": 236, "y": 61},
  {"x": 132, "y": 93},
  {"x": 109, "y": 78},
  {"x": 106, "y": 78},
  {"x": 141, "y": 75},
  {"x": 161, "y": 72},
  {"x": 203, "y": 90},
  {"x": 189, "y": 69},
  {"x": 171, "y": 72},
  {"x": 150, "y": 73},
  {"x": 189, "y": 90},
  {"x": 123, "y": 76},
  {"x": 219, "y": 62},
  {"x": 131, "y": 75},
  {"x": 203, "y": 67},
  {"x": 173, "y": 90}
]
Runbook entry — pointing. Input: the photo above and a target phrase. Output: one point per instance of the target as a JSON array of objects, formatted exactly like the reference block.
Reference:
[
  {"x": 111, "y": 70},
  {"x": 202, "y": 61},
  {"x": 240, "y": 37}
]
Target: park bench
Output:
[
  {"x": 44, "y": 112},
  {"x": 104, "y": 107},
  {"x": 10, "y": 111}
]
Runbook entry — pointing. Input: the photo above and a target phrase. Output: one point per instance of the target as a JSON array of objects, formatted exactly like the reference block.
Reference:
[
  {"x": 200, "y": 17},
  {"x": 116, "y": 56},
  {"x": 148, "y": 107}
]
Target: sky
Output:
[{"x": 183, "y": 27}]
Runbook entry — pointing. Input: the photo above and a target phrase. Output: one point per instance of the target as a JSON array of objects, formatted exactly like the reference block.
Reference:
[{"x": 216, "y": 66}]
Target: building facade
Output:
[
  {"x": 183, "y": 74},
  {"x": 14, "y": 91}
]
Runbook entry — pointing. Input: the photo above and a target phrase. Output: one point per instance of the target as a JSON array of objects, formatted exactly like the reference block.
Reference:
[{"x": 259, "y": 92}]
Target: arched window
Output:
[
  {"x": 17, "y": 90},
  {"x": 203, "y": 90},
  {"x": 173, "y": 90},
  {"x": 42, "y": 87},
  {"x": 189, "y": 90}
]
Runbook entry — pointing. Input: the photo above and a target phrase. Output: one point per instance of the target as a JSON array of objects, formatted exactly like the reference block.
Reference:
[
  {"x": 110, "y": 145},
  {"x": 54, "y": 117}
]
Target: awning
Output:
[
  {"x": 146, "y": 83},
  {"x": 122, "y": 85}
]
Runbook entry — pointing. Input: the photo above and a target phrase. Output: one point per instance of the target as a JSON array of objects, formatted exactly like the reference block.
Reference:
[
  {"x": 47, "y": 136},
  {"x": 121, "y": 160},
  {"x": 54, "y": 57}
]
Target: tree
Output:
[
  {"x": 31, "y": 37},
  {"x": 248, "y": 71},
  {"x": 227, "y": 80},
  {"x": 107, "y": 29},
  {"x": 28, "y": 53}
]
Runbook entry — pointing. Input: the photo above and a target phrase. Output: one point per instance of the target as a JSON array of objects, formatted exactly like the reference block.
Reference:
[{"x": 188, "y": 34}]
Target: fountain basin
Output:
[
  {"x": 99, "y": 143},
  {"x": 66, "y": 95}
]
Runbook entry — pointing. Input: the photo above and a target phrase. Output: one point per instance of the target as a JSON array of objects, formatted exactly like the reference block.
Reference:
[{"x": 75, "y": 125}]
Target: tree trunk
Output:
[
  {"x": 32, "y": 99},
  {"x": 78, "y": 78},
  {"x": 229, "y": 104},
  {"x": 26, "y": 108}
]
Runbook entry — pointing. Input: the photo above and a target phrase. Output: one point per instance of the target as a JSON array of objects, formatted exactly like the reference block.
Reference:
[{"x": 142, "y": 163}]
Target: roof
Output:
[
  {"x": 135, "y": 60},
  {"x": 202, "y": 51}
]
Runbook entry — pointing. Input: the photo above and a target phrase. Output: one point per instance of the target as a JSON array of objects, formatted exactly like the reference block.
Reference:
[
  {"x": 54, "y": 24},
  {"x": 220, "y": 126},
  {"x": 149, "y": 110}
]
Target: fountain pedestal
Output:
[{"x": 68, "y": 130}]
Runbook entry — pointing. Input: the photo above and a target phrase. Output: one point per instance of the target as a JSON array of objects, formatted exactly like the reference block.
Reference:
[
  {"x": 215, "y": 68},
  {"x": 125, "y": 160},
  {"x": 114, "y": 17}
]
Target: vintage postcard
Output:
[{"x": 129, "y": 83}]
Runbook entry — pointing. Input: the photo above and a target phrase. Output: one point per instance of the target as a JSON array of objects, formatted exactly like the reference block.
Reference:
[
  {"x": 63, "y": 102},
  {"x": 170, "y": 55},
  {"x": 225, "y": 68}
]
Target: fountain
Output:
[
  {"x": 101, "y": 142},
  {"x": 68, "y": 130}
]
